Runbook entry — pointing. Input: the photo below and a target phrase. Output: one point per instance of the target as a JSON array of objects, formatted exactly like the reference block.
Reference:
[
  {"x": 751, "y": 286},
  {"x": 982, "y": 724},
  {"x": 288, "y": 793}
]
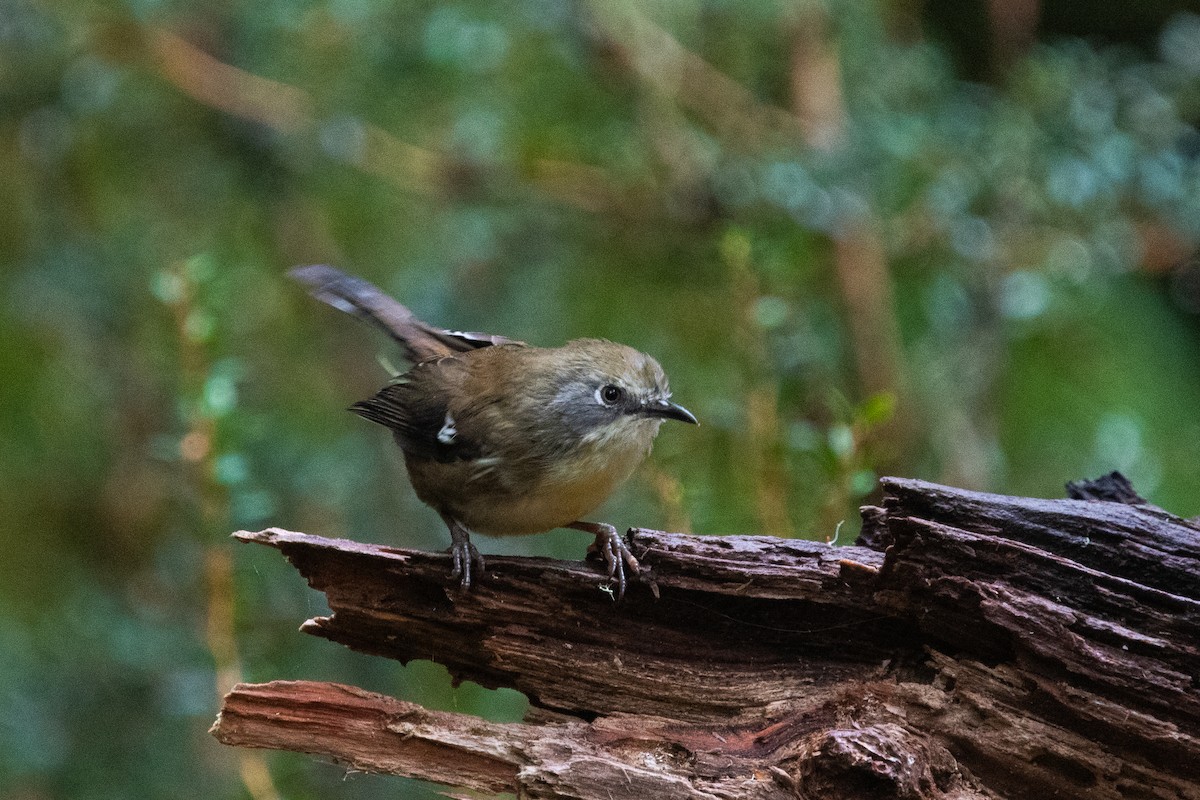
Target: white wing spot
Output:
[{"x": 448, "y": 432}]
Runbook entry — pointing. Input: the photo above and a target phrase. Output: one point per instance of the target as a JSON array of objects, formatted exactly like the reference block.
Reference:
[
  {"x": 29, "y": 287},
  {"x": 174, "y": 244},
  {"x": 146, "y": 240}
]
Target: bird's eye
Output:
[{"x": 610, "y": 395}]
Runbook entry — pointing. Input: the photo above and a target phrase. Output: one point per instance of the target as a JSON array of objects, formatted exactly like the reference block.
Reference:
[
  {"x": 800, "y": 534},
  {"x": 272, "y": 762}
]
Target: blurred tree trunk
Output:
[
  {"x": 860, "y": 265},
  {"x": 972, "y": 646},
  {"x": 1014, "y": 31}
]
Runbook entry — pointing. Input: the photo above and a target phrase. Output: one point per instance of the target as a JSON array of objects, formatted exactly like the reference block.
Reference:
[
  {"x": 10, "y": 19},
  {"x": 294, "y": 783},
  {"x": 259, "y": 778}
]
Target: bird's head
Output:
[{"x": 610, "y": 394}]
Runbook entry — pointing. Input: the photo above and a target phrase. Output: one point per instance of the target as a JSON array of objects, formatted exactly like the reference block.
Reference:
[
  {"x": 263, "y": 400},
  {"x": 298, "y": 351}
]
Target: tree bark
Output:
[{"x": 973, "y": 646}]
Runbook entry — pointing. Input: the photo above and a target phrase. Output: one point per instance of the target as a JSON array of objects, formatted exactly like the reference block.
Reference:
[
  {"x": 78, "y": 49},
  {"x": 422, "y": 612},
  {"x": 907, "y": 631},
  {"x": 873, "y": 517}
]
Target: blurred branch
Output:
[
  {"x": 1003, "y": 647},
  {"x": 291, "y": 111},
  {"x": 227, "y": 88},
  {"x": 286, "y": 109},
  {"x": 733, "y": 111}
]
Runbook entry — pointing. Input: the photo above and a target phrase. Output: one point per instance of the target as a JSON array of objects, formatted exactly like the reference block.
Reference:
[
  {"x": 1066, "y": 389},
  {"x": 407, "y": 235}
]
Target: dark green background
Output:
[{"x": 530, "y": 168}]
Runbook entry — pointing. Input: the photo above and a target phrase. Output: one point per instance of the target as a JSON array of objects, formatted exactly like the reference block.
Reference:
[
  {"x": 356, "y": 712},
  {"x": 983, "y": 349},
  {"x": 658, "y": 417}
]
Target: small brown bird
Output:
[{"x": 503, "y": 438}]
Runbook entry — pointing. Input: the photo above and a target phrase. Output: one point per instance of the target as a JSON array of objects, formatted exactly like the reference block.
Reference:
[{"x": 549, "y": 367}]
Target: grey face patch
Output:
[{"x": 581, "y": 408}]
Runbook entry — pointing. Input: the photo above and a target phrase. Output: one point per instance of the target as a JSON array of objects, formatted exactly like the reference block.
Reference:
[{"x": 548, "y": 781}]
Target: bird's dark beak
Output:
[{"x": 668, "y": 410}]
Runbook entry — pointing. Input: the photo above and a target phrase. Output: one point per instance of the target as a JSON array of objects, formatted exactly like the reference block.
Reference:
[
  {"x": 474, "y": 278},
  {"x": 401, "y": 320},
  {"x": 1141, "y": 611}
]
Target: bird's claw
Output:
[
  {"x": 465, "y": 556},
  {"x": 616, "y": 554}
]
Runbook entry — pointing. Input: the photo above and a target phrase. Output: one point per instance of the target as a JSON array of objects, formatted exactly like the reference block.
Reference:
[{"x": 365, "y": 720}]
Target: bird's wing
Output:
[
  {"x": 417, "y": 408},
  {"x": 365, "y": 300}
]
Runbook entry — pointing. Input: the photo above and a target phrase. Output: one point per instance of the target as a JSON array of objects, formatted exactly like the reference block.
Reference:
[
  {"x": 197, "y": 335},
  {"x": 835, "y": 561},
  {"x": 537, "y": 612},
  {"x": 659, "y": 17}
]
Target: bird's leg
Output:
[
  {"x": 612, "y": 548},
  {"x": 464, "y": 553}
]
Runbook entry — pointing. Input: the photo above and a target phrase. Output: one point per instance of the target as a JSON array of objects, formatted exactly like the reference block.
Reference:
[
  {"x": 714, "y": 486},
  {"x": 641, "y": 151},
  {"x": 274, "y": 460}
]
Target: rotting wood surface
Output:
[{"x": 978, "y": 646}]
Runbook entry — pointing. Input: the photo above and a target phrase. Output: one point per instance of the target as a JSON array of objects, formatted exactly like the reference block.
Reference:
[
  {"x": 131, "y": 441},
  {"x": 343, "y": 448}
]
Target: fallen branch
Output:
[{"x": 1003, "y": 647}]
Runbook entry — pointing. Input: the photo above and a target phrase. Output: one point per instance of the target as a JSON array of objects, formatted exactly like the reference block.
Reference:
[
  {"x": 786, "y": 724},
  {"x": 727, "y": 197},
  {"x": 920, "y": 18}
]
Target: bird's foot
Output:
[
  {"x": 611, "y": 546},
  {"x": 465, "y": 556}
]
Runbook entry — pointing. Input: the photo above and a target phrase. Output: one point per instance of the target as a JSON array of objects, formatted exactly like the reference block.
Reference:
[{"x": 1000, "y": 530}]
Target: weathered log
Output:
[{"x": 981, "y": 646}]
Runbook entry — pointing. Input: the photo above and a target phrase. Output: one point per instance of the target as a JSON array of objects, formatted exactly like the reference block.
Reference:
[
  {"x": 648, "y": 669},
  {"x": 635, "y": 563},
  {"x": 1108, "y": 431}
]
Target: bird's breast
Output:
[{"x": 499, "y": 499}]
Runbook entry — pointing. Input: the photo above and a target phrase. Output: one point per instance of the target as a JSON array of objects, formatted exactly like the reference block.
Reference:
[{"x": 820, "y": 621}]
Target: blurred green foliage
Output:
[{"x": 538, "y": 169}]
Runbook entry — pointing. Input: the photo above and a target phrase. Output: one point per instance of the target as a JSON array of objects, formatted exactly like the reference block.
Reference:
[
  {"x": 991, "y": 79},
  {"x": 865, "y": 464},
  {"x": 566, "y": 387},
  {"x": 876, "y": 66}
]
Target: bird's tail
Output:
[{"x": 367, "y": 301}]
